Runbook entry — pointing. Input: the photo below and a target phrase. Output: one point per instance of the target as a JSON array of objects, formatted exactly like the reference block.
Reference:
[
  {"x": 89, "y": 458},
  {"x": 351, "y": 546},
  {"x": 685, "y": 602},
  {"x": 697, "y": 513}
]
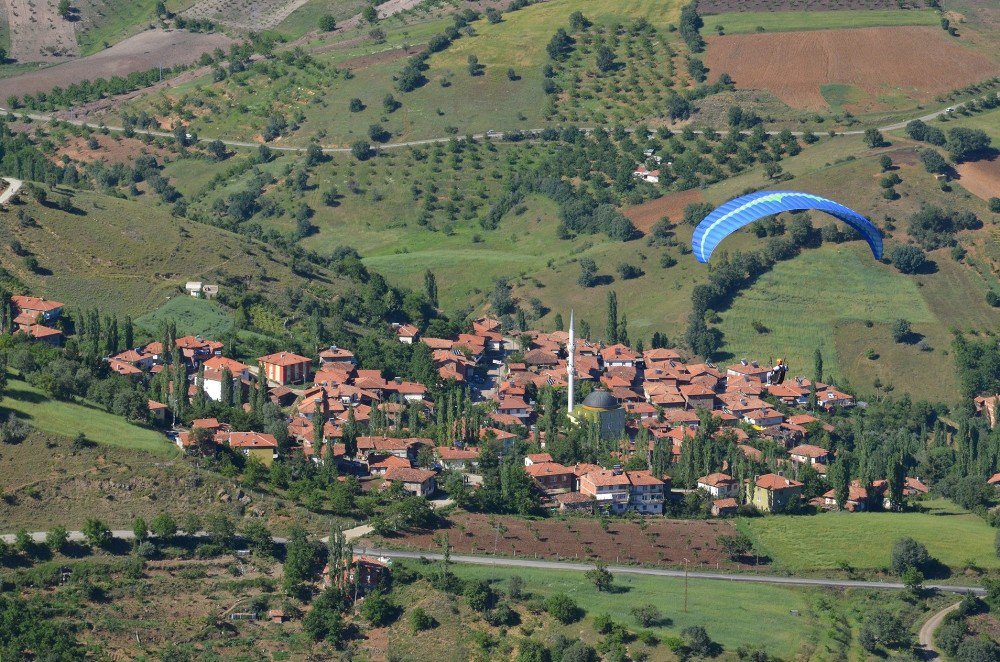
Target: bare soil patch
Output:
[
  {"x": 981, "y": 178},
  {"x": 366, "y": 61},
  {"x": 672, "y": 205},
  {"x": 244, "y": 14},
  {"x": 38, "y": 33},
  {"x": 139, "y": 53},
  {"x": 656, "y": 541},
  {"x": 915, "y": 62},
  {"x": 726, "y": 6},
  {"x": 111, "y": 149}
]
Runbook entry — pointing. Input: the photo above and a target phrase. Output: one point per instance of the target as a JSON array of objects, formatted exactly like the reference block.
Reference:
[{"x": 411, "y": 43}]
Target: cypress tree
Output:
[
  {"x": 623, "y": 331},
  {"x": 611, "y": 330},
  {"x": 226, "y": 378},
  {"x": 129, "y": 332},
  {"x": 818, "y": 365}
]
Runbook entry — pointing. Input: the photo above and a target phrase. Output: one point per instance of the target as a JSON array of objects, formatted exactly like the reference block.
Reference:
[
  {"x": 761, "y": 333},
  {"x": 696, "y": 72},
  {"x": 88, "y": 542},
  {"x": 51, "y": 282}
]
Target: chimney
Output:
[
  {"x": 743, "y": 361},
  {"x": 755, "y": 364}
]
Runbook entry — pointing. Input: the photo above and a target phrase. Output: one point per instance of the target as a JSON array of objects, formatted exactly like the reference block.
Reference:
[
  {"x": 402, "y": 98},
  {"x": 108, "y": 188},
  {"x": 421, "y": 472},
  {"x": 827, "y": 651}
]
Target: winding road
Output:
[
  {"x": 497, "y": 135},
  {"x": 352, "y": 534},
  {"x": 927, "y": 630}
]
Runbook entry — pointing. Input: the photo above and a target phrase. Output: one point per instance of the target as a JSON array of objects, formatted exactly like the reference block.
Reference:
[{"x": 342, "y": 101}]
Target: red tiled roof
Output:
[
  {"x": 283, "y": 359},
  {"x": 716, "y": 480},
  {"x": 776, "y": 482},
  {"x": 252, "y": 440},
  {"x": 409, "y": 475},
  {"x": 35, "y": 303}
]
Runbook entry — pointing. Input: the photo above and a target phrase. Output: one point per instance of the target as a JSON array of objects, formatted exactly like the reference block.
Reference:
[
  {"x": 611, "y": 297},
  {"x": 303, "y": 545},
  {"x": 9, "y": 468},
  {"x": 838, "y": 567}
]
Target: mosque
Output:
[{"x": 599, "y": 407}]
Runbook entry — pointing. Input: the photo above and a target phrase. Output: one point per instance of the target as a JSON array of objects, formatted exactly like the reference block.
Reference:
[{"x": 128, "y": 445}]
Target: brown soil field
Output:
[
  {"x": 916, "y": 62},
  {"x": 726, "y": 6},
  {"x": 139, "y": 53},
  {"x": 657, "y": 542},
  {"x": 38, "y": 33},
  {"x": 672, "y": 205},
  {"x": 981, "y": 178},
  {"x": 112, "y": 149}
]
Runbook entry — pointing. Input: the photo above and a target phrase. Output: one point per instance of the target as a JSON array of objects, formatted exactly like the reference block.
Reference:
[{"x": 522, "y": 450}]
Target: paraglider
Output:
[
  {"x": 777, "y": 374},
  {"x": 746, "y": 209}
]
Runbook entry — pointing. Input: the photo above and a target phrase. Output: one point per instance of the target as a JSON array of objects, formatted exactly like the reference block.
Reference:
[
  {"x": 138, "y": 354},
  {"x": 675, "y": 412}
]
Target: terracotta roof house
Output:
[
  {"x": 406, "y": 333},
  {"x": 719, "y": 485},
  {"x": 724, "y": 507},
  {"x": 421, "y": 482},
  {"x": 551, "y": 477},
  {"x": 285, "y": 368},
  {"x": 773, "y": 493},
  {"x": 809, "y": 454}
]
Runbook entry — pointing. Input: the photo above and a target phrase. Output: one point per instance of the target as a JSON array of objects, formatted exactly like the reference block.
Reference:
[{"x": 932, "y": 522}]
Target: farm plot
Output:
[
  {"x": 653, "y": 541},
  {"x": 38, "y": 33},
  {"x": 139, "y": 53},
  {"x": 672, "y": 205},
  {"x": 723, "y": 6},
  {"x": 915, "y": 63},
  {"x": 244, "y": 14},
  {"x": 981, "y": 178}
]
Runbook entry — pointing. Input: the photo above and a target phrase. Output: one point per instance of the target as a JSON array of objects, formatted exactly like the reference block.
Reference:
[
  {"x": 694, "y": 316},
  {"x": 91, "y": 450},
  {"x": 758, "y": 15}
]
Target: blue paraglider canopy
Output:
[{"x": 746, "y": 209}]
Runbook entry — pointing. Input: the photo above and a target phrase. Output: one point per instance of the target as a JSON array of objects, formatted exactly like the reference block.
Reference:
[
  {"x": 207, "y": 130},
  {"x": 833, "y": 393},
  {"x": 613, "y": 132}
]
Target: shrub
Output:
[
  {"x": 327, "y": 23},
  {"x": 563, "y": 608},
  {"x": 901, "y": 331},
  {"x": 994, "y": 205},
  {"x": 629, "y": 271},
  {"x": 646, "y": 615},
  {"x": 908, "y": 259},
  {"x": 421, "y": 620},
  {"x": 907, "y": 553}
]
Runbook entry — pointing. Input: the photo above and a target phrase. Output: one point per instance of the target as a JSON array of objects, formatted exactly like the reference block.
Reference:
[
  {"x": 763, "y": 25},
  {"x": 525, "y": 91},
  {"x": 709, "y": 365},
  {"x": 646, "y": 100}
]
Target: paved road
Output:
[
  {"x": 496, "y": 135},
  {"x": 663, "y": 572},
  {"x": 927, "y": 630},
  {"x": 39, "y": 536}
]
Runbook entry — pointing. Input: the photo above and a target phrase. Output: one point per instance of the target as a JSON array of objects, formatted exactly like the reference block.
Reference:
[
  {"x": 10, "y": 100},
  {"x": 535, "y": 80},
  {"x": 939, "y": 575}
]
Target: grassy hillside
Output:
[
  {"x": 195, "y": 317},
  {"x": 67, "y": 419},
  {"x": 130, "y": 257},
  {"x": 864, "y": 540}
]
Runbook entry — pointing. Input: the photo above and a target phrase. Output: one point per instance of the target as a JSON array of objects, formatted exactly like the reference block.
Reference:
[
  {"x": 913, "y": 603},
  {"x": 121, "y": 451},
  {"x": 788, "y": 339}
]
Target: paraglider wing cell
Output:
[{"x": 746, "y": 209}]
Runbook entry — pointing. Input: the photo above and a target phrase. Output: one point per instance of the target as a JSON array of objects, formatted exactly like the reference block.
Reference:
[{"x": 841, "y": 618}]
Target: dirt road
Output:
[{"x": 927, "y": 630}]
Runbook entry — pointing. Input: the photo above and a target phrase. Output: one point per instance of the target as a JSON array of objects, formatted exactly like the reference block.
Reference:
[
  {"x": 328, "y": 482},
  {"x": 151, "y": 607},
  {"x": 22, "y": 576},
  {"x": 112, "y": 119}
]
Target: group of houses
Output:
[{"x": 653, "y": 395}]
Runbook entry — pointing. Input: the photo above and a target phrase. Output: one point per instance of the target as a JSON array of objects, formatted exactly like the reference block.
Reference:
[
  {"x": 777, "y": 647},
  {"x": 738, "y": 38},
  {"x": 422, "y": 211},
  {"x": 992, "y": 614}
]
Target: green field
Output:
[
  {"x": 800, "y": 623},
  {"x": 783, "y": 21},
  {"x": 108, "y": 21},
  {"x": 864, "y": 540},
  {"x": 67, "y": 419},
  {"x": 801, "y": 300},
  {"x": 988, "y": 121},
  {"x": 306, "y": 18},
  {"x": 193, "y": 317}
]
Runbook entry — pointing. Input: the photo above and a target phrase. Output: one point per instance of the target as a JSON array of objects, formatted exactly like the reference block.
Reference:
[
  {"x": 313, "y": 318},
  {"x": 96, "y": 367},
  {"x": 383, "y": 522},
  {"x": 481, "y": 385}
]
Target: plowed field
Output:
[
  {"x": 913, "y": 62},
  {"x": 659, "y": 541}
]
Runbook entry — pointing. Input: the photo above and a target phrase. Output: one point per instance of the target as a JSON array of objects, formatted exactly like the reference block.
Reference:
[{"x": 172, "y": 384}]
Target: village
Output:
[{"x": 643, "y": 403}]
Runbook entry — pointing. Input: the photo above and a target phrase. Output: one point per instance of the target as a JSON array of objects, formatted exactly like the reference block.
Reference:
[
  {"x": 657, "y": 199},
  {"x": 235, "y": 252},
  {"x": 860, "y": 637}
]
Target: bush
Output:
[
  {"x": 978, "y": 650},
  {"x": 908, "y": 259},
  {"x": 697, "y": 640},
  {"x": 901, "y": 331},
  {"x": 378, "y": 610},
  {"x": 327, "y": 23},
  {"x": 908, "y": 553},
  {"x": 993, "y": 299},
  {"x": 629, "y": 271},
  {"x": 563, "y": 608},
  {"x": 994, "y": 205},
  {"x": 646, "y": 615},
  {"x": 361, "y": 150},
  {"x": 420, "y": 620}
]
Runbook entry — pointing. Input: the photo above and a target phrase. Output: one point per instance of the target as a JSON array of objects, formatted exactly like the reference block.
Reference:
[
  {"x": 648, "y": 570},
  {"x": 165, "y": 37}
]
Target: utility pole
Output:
[{"x": 686, "y": 562}]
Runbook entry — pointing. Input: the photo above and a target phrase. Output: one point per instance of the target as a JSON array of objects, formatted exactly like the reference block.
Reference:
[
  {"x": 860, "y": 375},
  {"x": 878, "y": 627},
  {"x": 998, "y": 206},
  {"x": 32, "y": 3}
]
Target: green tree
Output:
[
  {"x": 602, "y": 579},
  {"x": 560, "y": 45},
  {"x": 818, "y": 365},
  {"x": 563, "y": 608},
  {"x": 57, "y": 538},
  {"x": 96, "y": 532},
  {"x": 908, "y": 259},
  {"x": 64, "y": 8},
  {"x": 611, "y": 329},
  {"x": 327, "y": 23},
  {"x": 378, "y": 610},
  {"x": 874, "y": 138},
  {"x": 140, "y": 529},
  {"x": 647, "y": 615},
  {"x": 908, "y": 553},
  {"x": 966, "y": 144},
  {"x": 430, "y": 287},
  {"x": 163, "y": 526},
  {"x": 370, "y": 14},
  {"x": 420, "y": 620},
  {"x": 300, "y": 555},
  {"x": 361, "y": 150},
  {"x": 901, "y": 330},
  {"x": 605, "y": 59}
]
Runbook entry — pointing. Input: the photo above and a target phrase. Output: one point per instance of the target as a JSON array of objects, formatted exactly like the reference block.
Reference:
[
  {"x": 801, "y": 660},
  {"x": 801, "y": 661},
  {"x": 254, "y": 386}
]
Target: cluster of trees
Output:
[
  {"x": 690, "y": 27},
  {"x": 962, "y": 144},
  {"x": 933, "y": 227}
]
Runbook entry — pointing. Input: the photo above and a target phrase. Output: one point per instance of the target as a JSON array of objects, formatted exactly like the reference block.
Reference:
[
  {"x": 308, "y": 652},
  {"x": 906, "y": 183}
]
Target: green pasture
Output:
[
  {"x": 785, "y": 21},
  {"x": 810, "y": 543},
  {"x": 195, "y": 317},
  {"x": 67, "y": 419}
]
